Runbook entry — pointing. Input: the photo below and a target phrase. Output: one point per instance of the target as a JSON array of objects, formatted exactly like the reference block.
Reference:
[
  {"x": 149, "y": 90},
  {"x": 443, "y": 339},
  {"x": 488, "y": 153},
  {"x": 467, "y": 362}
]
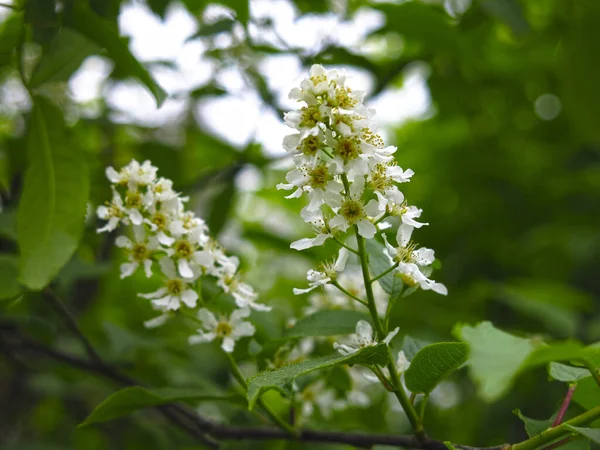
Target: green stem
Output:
[
  {"x": 6, "y": 5},
  {"x": 593, "y": 371},
  {"x": 400, "y": 394},
  {"x": 379, "y": 374},
  {"x": 552, "y": 434},
  {"x": 337, "y": 285},
  {"x": 237, "y": 374},
  {"x": 364, "y": 263},
  {"x": 345, "y": 246},
  {"x": 422, "y": 407},
  {"x": 384, "y": 273}
]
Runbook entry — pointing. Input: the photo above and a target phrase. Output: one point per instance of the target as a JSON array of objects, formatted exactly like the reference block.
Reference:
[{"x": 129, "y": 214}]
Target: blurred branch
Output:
[{"x": 198, "y": 426}]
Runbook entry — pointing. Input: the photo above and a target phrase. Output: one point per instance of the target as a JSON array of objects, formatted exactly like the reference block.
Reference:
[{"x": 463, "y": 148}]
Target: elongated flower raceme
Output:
[
  {"x": 172, "y": 241},
  {"x": 352, "y": 183}
]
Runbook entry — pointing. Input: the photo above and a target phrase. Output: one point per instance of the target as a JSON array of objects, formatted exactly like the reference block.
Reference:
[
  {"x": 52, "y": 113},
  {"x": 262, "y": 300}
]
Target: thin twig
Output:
[
  {"x": 227, "y": 432},
  {"x": 60, "y": 307},
  {"x": 385, "y": 272},
  {"x": 341, "y": 288},
  {"x": 564, "y": 406}
]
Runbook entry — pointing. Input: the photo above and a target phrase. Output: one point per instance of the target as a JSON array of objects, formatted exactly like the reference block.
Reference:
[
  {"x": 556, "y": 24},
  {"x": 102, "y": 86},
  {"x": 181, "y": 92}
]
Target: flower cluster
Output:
[
  {"x": 350, "y": 178},
  {"x": 169, "y": 237}
]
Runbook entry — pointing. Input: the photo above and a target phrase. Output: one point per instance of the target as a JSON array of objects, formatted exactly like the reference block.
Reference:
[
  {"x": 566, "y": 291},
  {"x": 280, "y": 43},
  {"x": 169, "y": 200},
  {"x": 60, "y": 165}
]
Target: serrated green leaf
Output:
[
  {"x": 105, "y": 35},
  {"x": 433, "y": 363},
  {"x": 379, "y": 263},
  {"x": 327, "y": 323},
  {"x": 51, "y": 214},
  {"x": 9, "y": 272},
  {"x": 411, "y": 346},
  {"x": 591, "y": 433},
  {"x": 282, "y": 379},
  {"x": 563, "y": 372},
  {"x": 66, "y": 52},
  {"x": 132, "y": 399}
]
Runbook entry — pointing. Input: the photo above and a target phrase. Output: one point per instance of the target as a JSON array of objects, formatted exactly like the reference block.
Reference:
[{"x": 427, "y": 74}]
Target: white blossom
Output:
[
  {"x": 176, "y": 290},
  {"x": 140, "y": 251},
  {"x": 228, "y": 330},
  {"x": 364, "y": 337}
]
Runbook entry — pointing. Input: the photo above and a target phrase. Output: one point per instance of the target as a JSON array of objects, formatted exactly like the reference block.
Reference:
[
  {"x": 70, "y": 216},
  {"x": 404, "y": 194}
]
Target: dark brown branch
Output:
[{"x": 197, "y": 425}]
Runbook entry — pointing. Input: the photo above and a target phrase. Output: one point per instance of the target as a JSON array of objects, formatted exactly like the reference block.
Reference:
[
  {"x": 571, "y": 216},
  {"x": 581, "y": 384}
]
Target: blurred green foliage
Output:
[{"x": 509, "y": 181}]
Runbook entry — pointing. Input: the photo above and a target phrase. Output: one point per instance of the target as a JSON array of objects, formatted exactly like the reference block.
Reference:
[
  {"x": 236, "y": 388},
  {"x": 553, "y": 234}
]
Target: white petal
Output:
[
  {"x": 366, "y": 229},
  {"x": 123, "y": 242},
  {"x": 228, "y": 344},
  {"x": 340, "y": 222},
  {"x": 157, "y": 321},
  {"x": 340, "y": 263},
  {"x": 208, "y": 318},
  {"x": 112, "y": 175},
  {"x": 127, "y": 269},
  {"x": 364, "y": 330},
  {"x": 189, "y": 297},
  {"x": 372, "y": 208},
  {"x": 305, "y": 243},
  {"x": 391, "y": 336},
  {"x": 168, "y": 267},
  {"x": 304, "y": 291},
  {"x": 238, "y": 315},
  {"x": 184, "y": 268},
  {"x": 160, "y": 293},
  {"x": 164, "y": 239},
  {"x": 244, "y": 329},
  {"x": 403, "y": 235},
  {"x": 148, "y": 267},
  {"x": 136, "y": 217},
  {"x": 357, "y": 187},
  {"x": 201, "y": 338},
  {"x": 439, "y": 288}
]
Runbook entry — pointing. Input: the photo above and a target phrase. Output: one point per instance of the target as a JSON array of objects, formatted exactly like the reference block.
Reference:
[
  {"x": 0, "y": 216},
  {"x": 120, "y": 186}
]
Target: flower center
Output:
[
  {"x": 309, "y": 145},
  {"x": 223, "y": 329},
  {"x": 183, "y": 249},
  {"x": 408, "y": 280},
  {"x": 160, "y": 220},
  {"x": 175, "y": 287},
  {"x": 352, "y": 210},
  {"x": 319, "y": 177},
  {"x": 133, "y": 199},
  {"x": 379, "y": 181},
  {"x": 371, "y": 138},
  {"x": 348, "y": 149},
  {"x": 139, "y": 252},
  {"x": 310, "y": 117},
  {"x": 343, "y": 99}
]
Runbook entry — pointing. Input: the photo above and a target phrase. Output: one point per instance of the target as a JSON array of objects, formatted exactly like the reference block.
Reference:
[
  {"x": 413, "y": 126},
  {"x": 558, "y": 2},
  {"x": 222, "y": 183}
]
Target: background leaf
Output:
[
  {"x": 132, "y": 399},
  {"x": 51, "y": 215},
  {"x": 327, "y": 323},
  {"x": 9, "y": 272},
  {"x": 379, "y": 263},
  {"x": 563, "y": 372}
]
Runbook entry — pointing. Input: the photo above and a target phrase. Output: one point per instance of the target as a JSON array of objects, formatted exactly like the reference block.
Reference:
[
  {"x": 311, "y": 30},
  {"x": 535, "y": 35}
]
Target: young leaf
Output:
[
  {"x": 587, "y": 393},
  {"x": 282, "y": 379},
  {"x": 380, "y": 263},
  {"x": 562, "y": 372},
  {"x": 591, "y": 433},
  {"x": 51, "y": 214},
  {"x": 433, "y": 363},
  {"x": 103, "y": 34},
  {"x": 66, "y": 52},
  {"x": 132, "y": 399},
  {"x": 534, "y": 426},
  {"x": 327, "y": 323},
  {"x": 495, "y": 357},
  {"x": 411, "y": 346},
  {"x": 9, "y": 271}
]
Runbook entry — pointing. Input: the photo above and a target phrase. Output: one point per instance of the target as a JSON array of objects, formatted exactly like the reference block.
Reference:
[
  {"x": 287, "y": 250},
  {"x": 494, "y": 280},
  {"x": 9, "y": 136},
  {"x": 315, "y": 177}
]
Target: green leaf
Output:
[
  {"x": 433, "y": 363},
  {"x": 498, "y": 357},
  {"x": 282, "y": 379},
  {"x": 327, "y": 323},
  {"x": 221, "y": 204},
  {"x": 214, "y": 28},
  {"x": 587, "y": 393},
  {"x": 241, "y": 8},
  {"x": 52, "y": 210},
  {"x": 105, "y": 35},
  {"x": 9, "y": 272},
  {"x": 562, "y": 372},
  {"x": 379, "y": 263},
  {"x": 66, "y": 52},
  {"x": 534, "y": 426},
  {"x": 411, "y": 346},
  {"x": 132, "y": 399},
  {"x": 495, "y": 357},
  {"x": 509, "y": 12},
  {"x": 10, "y": 30},
  {"x": 591, "y": 433}
]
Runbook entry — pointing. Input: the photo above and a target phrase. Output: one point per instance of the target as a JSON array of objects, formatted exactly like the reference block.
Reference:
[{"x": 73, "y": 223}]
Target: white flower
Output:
[
  {"x": 363, "y": 337},
  {"x": 114, "y": 212},
  {"x": 320, "y": 278},
  {"x": 316, "y": 219},
  {"x": 410, "y": 214},
  {"x": 354, "y": 211},
  {"x": 414, "y": 264},
  {"x": 243, "y": 293},
  {"x": 402, "y": 365},
  {"x": 139, "y": 251},
  {"x": 319, "y": 395},
  {"x": 133, "y": 174},
  {"x": 175, "y": 291},
  {"x": 229, "y": 330}
]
